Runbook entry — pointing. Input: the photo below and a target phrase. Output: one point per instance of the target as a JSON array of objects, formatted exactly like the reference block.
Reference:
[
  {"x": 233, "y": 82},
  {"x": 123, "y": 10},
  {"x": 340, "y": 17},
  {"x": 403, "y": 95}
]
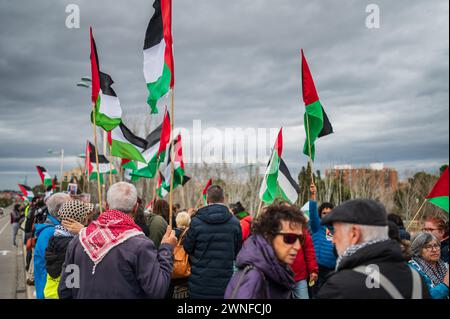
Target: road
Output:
[{"x": 11, "y": 261}]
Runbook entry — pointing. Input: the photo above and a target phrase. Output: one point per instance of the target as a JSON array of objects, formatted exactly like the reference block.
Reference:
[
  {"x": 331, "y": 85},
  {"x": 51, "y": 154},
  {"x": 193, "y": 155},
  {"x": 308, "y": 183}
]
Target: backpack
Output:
[{"x": 181, "y": 265}]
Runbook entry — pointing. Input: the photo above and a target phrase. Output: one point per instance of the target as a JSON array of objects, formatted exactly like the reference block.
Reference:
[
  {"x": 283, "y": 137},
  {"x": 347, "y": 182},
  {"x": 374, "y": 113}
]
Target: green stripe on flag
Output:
[
  {"x": 126, "y": 150},
  {"x": 441, "y": 201},
  {"x": 315, "y": 120},
  {"x": 158, "y": 89}
]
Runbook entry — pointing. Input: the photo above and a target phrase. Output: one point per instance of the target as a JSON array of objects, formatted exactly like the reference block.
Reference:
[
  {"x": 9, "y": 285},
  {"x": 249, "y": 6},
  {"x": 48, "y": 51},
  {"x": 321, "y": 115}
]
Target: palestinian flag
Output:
[
  {"x": 104, "y": 167},
  {"x": 439, "y": 194},
  {"x": 125, "y": 144},
  {"x": 278, "y": 182},
  {"x": 149, "y": 169},
  {"x": 305, "y": 210},
  {"x": 129, "y": 167},
  {"x": 160, "y": 190},
  {"x": 45, "y": 176},
  {"x": 205, "y": 190},
  {"x": 164, "y": 140},
  {"x": 26, "y": 191},
  {"x": 158, "y": 56},
  {"x": 315, "y": 117},
  {"x": 22, "y": 198},
  {"x": 178, "y": 166},
  {"x": 108, "y": 113}
]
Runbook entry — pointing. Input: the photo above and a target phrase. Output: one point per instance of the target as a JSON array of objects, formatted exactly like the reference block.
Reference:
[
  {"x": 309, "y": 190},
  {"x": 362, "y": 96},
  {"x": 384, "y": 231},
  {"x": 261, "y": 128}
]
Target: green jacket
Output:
[{"x": 157, "y": 227}]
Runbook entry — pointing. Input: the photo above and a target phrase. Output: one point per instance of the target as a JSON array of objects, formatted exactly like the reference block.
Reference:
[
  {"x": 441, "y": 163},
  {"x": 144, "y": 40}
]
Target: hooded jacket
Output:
[
  {"x": 346, "y": 283},
  {"x": 43, "y": 234},
  {"x": 305, "y": 262},
  {"x": 267, "y": 279},
  {"x": 213, "y": 241}
]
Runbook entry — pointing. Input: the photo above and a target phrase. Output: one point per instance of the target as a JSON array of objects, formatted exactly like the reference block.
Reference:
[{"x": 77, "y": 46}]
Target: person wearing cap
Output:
[
  {"x": 43, "y": 233},
  {"x": 370, "y": 265},
  {"x": 114, "y": 258},
  {"x": 57, "y": 245}
]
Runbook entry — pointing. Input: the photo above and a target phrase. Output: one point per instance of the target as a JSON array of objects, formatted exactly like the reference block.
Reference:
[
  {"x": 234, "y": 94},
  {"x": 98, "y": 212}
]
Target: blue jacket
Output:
[
  {"x": 322, "y": 245},
  {"x": 43, "y": 234},
  {"x": 213, "y": 241},
  {"x": 437, "y": 292}
]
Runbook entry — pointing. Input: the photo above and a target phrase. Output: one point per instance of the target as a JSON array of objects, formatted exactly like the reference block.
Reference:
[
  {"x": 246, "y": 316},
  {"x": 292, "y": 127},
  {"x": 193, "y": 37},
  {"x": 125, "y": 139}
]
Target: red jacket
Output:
[
  {"x": 245, "y": 225},
  {"x": 305, "y": 263}
]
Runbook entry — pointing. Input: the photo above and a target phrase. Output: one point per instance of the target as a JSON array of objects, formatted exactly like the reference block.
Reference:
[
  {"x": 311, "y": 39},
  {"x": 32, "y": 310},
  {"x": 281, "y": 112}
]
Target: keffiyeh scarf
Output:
[
  {"x": 60, "y": 231},
  {"x": 109, "y": 230},
  {"x": 353, "y": 249},
  {"x": 436, "y": 274}
]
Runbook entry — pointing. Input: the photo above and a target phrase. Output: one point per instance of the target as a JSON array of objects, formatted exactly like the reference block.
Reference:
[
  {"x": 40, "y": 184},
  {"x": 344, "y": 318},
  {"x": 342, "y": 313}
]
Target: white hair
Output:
[
  {"x": 183, "y": 219},
  {"x": 55, "y": 202},
  {"x": 369, "y": 232},
  {"x": 122, "y": 196}
]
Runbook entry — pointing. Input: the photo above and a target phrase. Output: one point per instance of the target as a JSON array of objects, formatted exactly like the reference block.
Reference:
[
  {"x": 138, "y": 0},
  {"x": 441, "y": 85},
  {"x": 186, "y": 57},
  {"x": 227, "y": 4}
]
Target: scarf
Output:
[
  {"x": 60, "y": 231},
  {"x": 109, "y": 230},
  {"x": 436, "y": 274},
  {"x": 354, "y": 248}
]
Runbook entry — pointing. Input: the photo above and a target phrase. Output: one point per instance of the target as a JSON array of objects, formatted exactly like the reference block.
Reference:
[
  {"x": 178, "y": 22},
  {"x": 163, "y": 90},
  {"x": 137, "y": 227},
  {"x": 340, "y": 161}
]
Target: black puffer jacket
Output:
[
  {"x": 213, "y": 241},
  {"x": 349, "y": 284},
  {"x": 55, "y": 254}
]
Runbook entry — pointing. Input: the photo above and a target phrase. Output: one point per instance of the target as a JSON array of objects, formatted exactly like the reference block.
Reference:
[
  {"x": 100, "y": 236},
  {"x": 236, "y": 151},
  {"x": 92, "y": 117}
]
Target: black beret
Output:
[{"x": 358, "y": 211}]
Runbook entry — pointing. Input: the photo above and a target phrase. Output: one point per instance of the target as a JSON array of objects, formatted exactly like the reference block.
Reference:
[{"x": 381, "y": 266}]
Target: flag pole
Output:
[
  {"x": 171, "y": 159},
  {"x": 309, "y": 148},
  {"x": 410, "y": 223},
  {"x": 259, "y": 208},
  {"x": 110, "y": 166},
  {"x": 156, "y": 179},
  {"x": 99, "y": 189}
]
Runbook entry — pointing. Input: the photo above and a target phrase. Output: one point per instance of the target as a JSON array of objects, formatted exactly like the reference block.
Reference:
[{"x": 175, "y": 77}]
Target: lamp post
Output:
[{"x": 61, "y": 152}]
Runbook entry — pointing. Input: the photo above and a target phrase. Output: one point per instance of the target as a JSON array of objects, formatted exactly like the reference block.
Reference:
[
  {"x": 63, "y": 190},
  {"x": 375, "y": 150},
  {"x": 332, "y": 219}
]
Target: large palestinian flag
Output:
[
  {"x": 439, "y": 194},
  {"x": 108, "y": 113},
  {"x": 278, "y": 182},
  {"x": 45, "y": 176},
  {"x": 178, "y": 166},
  {"x": 158, "y": 56},
  {"x": 149, "y": 169},
  {"x": 125, "y": 144},
  {"x": 26, "y": 191},
  {"x": 315, "y": 117}
]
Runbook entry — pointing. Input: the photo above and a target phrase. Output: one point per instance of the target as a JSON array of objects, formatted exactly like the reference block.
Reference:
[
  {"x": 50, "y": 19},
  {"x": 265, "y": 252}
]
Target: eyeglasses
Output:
[
  {"x": 290, "y": 238},
  {"x": 431, "y": 247},
  {"x": 429, "y": 230}
]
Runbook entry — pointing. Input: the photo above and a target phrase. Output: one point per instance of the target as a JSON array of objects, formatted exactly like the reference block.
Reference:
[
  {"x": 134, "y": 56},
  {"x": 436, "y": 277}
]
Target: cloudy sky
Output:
[{"x": 386, "y": 90}]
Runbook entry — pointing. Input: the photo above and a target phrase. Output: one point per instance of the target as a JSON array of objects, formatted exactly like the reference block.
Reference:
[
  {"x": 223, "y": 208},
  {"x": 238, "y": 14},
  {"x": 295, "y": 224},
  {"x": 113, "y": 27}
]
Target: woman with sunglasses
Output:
[
  {"x": 426, "y": 253},
  {"x": 265, "y": 258}
]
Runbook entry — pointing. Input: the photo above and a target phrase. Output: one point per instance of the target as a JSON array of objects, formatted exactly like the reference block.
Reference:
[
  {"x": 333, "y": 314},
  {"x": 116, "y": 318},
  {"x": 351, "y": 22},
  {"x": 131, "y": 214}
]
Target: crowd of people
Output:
[{"x": 125, "y": 251}]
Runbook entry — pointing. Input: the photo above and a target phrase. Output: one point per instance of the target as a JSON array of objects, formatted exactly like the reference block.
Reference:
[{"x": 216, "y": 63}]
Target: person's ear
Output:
[{"x": 355, "y": 235}]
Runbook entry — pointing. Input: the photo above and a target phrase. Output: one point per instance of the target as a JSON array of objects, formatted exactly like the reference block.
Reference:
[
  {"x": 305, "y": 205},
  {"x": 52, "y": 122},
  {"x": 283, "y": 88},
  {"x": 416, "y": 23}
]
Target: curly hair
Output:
[
  {"x": 323, "y": 206},
  {"x": 268, "y": 223}
]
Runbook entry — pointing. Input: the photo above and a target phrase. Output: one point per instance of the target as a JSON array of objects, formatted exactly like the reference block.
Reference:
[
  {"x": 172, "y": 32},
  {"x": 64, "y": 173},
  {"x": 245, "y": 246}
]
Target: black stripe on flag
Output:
[
  {"x": 154, "y": 136},
  {"x": 43, "y": 170},
  {"x": 285, "y": 171},
  {"x": 155, "y": 32},
  {"x": 327, "y": 128},
  {"x": 101, "y": 158},
  {"x": 26, "y": 187},
  {"x": 105, "y": 84},
  {"x": 133, "y": 139}
]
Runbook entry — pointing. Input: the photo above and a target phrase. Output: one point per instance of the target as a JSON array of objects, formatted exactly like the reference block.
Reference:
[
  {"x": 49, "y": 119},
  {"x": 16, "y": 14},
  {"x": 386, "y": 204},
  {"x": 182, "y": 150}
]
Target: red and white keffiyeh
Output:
[{"x": 109, "y": 230}]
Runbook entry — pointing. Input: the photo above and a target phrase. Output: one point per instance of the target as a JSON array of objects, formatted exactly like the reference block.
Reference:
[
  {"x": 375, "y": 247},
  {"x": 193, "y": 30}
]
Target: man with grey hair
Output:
[
  {"x": 43, "y": 233},
  {"x": 113, "y": 257},
  {"x": 369, "y": 264}
]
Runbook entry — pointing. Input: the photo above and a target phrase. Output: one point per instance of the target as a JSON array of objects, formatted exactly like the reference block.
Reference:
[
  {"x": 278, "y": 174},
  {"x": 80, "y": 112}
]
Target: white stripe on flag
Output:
[
  {"x": 154, "y": 62},
  {"x": 287, "y": 187},
  {"x": 110, "y": 106}
]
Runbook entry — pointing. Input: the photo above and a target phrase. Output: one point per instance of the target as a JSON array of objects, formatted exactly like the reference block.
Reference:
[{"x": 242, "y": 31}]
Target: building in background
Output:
[{"x": 376, "y": 175}]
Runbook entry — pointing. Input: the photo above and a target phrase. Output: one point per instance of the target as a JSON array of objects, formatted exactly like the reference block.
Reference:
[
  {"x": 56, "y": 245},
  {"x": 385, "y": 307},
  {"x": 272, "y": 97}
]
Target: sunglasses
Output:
[{"x": 290, "y": 238}]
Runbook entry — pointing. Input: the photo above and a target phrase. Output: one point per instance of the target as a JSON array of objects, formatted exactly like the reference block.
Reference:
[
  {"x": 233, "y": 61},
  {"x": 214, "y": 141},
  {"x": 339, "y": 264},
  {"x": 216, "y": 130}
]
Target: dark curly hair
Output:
[
  {"x": 323, "y": 206},
  {"x": 268, "y": 223}
]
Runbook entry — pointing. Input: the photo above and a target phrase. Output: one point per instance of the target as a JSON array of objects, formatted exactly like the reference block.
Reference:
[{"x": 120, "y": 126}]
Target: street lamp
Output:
[{"x": 61, "y": 152}]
